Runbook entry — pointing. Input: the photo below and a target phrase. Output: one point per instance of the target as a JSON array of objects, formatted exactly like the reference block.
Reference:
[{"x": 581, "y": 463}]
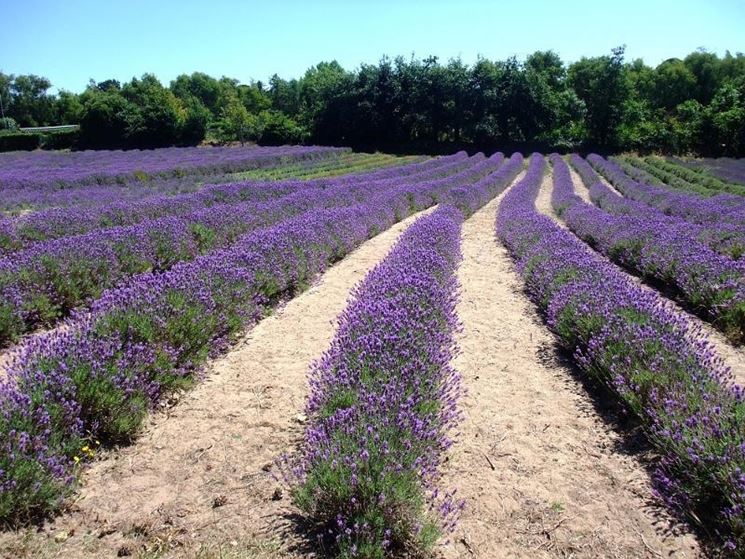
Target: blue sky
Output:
[{"x": 72, "y": 41}]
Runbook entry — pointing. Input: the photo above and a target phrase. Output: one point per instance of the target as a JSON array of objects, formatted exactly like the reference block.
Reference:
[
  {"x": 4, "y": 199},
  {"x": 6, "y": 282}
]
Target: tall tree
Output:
[{"x": 601, "y": 82}]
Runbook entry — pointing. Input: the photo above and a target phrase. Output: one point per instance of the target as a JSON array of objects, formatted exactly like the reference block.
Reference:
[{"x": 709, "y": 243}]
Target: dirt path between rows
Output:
[
  {"x": 579, "y": 185},
  {"x": 584, "y": 192},
  {"x": 541, "y": 472},
  {"x": 543, "y": 200},
  {"x": 197, "y": 483},
  {"x": 734, "y": 357}
]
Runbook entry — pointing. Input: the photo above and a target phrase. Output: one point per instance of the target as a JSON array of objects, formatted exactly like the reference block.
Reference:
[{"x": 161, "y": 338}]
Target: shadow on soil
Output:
[{"x": 632, "y": 441}]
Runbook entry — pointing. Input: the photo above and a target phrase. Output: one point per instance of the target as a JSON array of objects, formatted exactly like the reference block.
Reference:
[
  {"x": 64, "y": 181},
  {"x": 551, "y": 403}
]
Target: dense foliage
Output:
[{"x": 696, "y": 104}]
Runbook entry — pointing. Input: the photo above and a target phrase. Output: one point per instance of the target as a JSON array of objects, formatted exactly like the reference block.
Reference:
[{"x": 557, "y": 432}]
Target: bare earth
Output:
[
  {"x": 542, "y": 473},
  {"x": 199, "y": 480},
  {"x": 733, "y": 357}
]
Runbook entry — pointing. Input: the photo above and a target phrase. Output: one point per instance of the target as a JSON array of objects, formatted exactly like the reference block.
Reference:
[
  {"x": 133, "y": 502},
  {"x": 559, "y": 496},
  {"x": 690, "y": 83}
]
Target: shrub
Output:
[
  {"x": 16, "y": 141},
  {"x": 62, "y": 139}
]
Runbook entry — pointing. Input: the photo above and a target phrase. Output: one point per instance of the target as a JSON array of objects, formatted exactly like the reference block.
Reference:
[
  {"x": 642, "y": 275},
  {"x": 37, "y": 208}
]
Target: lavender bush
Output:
[
  {"x": 54, "y": 170},
  {"x": 383, "y": 399},
  {"x": 660, "y": 367},
  {"x": 384, "y": 396},
  {"x": 24, "y": 231},
  {"x": 658, "y": 247}
]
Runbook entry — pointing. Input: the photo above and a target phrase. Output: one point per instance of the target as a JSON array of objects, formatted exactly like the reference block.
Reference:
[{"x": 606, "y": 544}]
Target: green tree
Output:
[
  {"x": 105, "y": 118},
  {"x": 601, "y": 83},
  {"x": 276, "y": 128},
  {"x": 30, "y": 104},
  {"x": 672, "y": 84},
  {"x": 68, "y": 108},
  {"x": 196, "y": 122},
  {"x": 284, "y": 95},
  {"x": 236, "y": 123},
  {"x": 198, "y": 85},
  {"x": 155, "y": 116},
  {"x": 727, "y": 116},
  {"x": 706, "y": 69}
]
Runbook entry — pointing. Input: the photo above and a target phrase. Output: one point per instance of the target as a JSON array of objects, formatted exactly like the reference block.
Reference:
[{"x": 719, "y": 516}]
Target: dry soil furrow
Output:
[
  {"x": 199, "y": 482},
  {"x": 579, "y": 185},
  {"x": 540, "y": 470},
  {"x": 734, "y": 357}
]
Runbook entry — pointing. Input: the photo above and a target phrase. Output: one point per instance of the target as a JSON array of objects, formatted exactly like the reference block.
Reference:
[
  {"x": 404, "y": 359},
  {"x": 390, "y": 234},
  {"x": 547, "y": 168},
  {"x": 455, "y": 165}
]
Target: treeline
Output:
[{"x": 690, "y": 105}]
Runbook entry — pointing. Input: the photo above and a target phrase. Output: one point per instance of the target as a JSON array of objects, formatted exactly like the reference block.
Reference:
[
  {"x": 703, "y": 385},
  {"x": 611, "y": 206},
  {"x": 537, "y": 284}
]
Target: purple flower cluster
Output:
[
  {"x": 45, "y": 282},
  {"x": 20, "y": 232},
  {"x": 658, "y": 365},
  {"x": 723, "y": 215},
  {"x": 18, "y": 201},
  {"x": 97, "y": 376},
  {"x": 383, "y": 398},
  {"x": 54, "y": 170},
  {"x": 655, "y": 246}
]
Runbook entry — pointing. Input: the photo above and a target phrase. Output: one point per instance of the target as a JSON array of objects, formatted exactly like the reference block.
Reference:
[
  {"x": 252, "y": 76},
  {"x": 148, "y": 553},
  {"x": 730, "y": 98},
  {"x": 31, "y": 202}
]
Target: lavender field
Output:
[{"x": 160, "y": 397}]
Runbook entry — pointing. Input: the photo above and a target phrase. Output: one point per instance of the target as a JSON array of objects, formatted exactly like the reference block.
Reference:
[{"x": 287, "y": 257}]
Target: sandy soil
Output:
[
  {"x": 584, "y": 191},
  {"x": 543, "y": 200},
  {"x": 734, "y": 357},
  {"x": 199, "y": 482},
  {"x": 542, "y": 473},
  {"x": 579, "y": 186}
]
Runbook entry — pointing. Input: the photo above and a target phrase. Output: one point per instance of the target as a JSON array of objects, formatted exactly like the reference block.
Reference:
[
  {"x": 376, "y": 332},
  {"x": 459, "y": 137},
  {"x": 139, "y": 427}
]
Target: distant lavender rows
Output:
[
  {"x": 654, "y": 245},
  {"x": 655, "y": 170},
  {"x": 726, "y": 209},
  {"x": 725, "y": 237},
  {"x": 661, "y": 368},
  {"x": 19, "y": 201},
  {"x": 732, "y": 170},
  {"x": 46, "y": 282},
  {"x": 23, "y": 231},
  {"x": 54, "y": 170},
  {"x": 97, "y": 377}
]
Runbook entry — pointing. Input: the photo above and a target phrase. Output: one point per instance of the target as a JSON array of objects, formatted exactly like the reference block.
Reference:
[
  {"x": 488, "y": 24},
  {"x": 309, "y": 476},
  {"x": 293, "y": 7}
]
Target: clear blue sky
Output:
[{"x": 72, "y": 41}]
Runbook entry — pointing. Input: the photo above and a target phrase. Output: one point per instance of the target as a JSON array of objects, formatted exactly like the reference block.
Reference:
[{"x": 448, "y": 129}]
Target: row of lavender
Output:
[
  {"x": 44, "y": 283},
  {"x": 21, "y": 201},
  {"x": 656, "y": 170},
  {"x": 726, "y": 237},
  {"x": 53, "y": 170},
  {"x": 384, "y": 396},
  {"x": 731, "y": 170},
  {"x": 23, "y": 231},
  {"x": 97, "y": 377},
  {"x": 654, "y": 245},
  {"x": 723, "y": 215},
  {"x": 659, "y": 367}
]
